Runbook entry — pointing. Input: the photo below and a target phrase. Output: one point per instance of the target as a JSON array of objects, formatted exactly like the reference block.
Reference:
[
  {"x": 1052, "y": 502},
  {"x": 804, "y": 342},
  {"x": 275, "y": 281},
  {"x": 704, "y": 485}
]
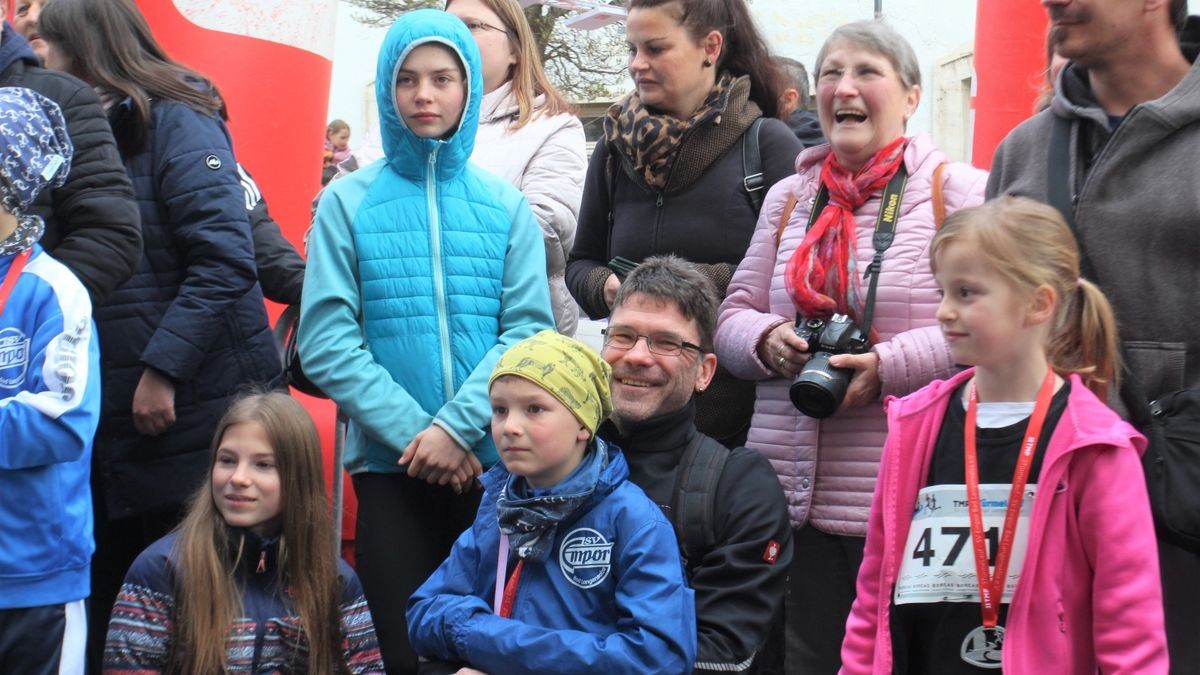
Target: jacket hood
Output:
[
  {"x": 405, "y": 151},
  {"x": 14, "y": 48},
  {"x": 501, "y": 105},
  {"x": 1180, "y": 106}
]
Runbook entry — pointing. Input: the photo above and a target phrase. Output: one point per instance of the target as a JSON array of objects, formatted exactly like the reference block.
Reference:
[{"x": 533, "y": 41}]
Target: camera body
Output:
[{"x": 819, "y": 388}]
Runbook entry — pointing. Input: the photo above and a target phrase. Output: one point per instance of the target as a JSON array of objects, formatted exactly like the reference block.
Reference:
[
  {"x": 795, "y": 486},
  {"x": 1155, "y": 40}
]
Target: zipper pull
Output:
[
  {"x": 659, "y": 203},
  {"x": 262, "y": 562}
]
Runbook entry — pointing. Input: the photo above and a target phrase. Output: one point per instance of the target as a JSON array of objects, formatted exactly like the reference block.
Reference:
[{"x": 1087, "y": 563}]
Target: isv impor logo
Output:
[
  {"x": 585, "y": 557},
  {"x": 14, "y": 357}
]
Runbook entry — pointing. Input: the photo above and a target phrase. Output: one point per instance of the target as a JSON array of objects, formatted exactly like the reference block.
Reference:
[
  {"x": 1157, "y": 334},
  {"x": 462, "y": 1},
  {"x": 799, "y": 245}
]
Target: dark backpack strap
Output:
[
  {"x": 1058, "y": 185},
  {"x": 752, "y": 170},
  {"x": 693, "y": 504}
]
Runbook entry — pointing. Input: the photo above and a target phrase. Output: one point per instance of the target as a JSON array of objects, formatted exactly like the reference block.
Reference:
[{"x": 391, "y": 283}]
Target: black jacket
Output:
[
  {"x": 709, "y": 221},
  {"x": 280, "y": 267},
  {"x": 738, "y": 592},
  {"x": 807, "y": 127},
  {"x": 92, "y": 222}
]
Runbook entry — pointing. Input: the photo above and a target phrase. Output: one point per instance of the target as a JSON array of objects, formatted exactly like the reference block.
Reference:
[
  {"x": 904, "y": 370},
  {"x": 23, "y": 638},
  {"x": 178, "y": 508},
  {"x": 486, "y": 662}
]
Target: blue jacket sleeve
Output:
[
  {"x": 330, "y": 338},
  {"x": 524, "y": 310},
  {"x": 448, "y": 598},
  {"x": 53, "y": 419},
  {"x": 204, "y": 206}
]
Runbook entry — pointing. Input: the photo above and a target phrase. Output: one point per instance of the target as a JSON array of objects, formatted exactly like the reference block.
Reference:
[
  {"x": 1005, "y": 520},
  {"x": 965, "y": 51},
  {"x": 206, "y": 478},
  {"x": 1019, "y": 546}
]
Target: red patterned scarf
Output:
[{"x": 821, "y": 273}]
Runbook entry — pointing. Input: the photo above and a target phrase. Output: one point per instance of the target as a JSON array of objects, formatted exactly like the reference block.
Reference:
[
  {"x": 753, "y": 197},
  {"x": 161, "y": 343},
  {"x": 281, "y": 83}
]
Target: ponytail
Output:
[
  {"x": 1085, "y": 340},
  {"x": 1029, "y": 244}
]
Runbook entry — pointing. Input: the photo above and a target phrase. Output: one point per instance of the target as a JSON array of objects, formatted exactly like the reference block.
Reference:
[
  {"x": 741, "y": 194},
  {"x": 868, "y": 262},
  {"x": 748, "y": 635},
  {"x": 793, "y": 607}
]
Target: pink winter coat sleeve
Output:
[
  {"x": 746, "y": 312},
  {"x": 1127, "y": 614}
]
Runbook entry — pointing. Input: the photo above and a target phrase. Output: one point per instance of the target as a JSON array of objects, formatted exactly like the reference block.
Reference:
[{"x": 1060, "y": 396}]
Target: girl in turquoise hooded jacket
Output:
[{"x": 422, "y": 270}]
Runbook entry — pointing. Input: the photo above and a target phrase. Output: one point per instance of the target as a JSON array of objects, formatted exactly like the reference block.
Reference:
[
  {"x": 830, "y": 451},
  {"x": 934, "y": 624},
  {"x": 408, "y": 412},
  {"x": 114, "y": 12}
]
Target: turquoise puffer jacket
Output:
[{"x": 422, "y": 270}]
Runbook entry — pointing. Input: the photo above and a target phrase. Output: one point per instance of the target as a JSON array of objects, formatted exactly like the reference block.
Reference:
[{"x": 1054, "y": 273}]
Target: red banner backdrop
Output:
[{"x": 1010, "y": 59}]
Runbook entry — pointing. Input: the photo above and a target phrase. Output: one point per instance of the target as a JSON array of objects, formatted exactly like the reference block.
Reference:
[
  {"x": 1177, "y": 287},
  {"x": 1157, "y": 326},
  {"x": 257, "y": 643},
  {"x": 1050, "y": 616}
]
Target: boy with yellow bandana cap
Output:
[{"x": 568, "y": 567}]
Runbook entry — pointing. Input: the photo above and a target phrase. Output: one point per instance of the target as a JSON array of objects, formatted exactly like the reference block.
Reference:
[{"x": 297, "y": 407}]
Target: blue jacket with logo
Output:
[
  {"x": 611, "y": 598},
  {"x": 422, "y": 269},
  {"x": 49, "y": 409}
]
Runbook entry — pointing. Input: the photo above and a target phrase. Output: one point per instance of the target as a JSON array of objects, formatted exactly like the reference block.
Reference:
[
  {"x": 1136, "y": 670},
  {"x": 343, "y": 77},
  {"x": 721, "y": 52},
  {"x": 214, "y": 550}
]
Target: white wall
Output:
[
  {"x": 935, "y": 30},
  {"x": 356, "y": 47}
]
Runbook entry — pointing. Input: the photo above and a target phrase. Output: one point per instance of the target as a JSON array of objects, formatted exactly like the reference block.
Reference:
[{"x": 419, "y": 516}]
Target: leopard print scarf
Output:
[{"x": 651, "y": 141}]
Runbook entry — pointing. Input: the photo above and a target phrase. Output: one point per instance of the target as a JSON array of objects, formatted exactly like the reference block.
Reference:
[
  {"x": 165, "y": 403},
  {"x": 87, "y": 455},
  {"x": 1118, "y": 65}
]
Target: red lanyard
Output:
[
  {"x": 503, "y": 602},
  {"x": 10, "y": 277},
  {"x": 991, "y": 587}
]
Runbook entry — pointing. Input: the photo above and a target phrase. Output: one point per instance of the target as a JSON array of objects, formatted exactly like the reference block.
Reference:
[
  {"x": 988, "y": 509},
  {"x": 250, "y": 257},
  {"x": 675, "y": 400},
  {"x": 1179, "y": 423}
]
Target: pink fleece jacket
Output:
[
  {"x": 835, "y": 492},
  {"x": 1089, "y": 595}
]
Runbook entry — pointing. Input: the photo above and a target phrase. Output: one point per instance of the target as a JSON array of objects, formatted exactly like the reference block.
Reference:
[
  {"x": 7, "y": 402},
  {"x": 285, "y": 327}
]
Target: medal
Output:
[{"x": 982, "y": 646}]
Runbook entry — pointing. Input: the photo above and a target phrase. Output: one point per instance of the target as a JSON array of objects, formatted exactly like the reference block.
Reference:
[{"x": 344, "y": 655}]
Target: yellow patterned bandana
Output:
[{"x": 570, "y": 370}]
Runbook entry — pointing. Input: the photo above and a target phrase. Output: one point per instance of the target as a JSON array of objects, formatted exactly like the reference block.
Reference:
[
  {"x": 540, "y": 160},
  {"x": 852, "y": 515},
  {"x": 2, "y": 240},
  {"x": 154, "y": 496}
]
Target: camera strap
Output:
[{"x": 885, "y": 233}]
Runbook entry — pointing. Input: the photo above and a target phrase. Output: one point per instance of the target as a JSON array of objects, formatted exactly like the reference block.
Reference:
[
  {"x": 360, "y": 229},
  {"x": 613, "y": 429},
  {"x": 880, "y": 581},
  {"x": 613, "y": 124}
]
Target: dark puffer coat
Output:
[
  {"x": 192, "y": 310},
  {"x": 91, "y": 221}
]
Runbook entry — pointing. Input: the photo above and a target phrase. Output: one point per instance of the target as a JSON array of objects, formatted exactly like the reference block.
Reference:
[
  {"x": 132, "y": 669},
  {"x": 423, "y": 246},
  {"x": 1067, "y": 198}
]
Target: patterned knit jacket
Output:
[{"x": 263, "y": 639}]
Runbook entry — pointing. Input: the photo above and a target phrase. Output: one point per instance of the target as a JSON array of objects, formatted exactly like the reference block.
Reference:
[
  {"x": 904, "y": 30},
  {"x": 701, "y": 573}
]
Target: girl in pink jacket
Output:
[{"x": 1010, "y": 525}]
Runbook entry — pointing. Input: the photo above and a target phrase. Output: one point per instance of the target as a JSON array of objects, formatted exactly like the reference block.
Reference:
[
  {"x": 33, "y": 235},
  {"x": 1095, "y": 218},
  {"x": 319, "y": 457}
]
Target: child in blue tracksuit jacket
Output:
[
  {"x": 49, "y": 407},
  {"x": 422, "y": 269},
  {"x": 569, "y": 567}
]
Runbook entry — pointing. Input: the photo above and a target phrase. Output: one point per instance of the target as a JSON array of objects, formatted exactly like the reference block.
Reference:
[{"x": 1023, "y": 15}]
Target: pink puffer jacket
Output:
[{"x": 835, "y": 492}]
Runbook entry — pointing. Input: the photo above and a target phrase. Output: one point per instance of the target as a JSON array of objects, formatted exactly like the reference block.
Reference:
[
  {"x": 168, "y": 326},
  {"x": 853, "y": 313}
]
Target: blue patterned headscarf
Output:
[{"x": 36, "y": 153}]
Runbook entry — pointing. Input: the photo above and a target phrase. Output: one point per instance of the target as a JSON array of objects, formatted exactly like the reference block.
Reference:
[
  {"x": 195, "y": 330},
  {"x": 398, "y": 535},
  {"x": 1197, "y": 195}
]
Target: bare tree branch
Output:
[{"x": 583, "y": 65}]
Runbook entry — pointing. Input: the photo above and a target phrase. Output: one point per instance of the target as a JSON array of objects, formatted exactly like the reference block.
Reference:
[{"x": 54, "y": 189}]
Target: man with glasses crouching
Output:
[{"x": 727, "y": 506}]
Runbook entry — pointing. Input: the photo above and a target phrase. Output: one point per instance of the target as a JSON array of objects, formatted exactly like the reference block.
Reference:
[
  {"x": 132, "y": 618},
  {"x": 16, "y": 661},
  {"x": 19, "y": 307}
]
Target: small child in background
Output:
[
  {"x": 337, "y": 140},
  {"x": 250, "y": 581},
  {"x": 337, "y": 149},
  {"x": 569, "y": 567},
  {"x": 49, "y": 407},
  {"x": 1015, "y": 465}
]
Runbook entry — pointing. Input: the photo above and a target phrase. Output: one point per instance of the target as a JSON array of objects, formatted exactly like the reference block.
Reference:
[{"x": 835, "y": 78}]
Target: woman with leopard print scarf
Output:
[{"x": 668, "y": 175}]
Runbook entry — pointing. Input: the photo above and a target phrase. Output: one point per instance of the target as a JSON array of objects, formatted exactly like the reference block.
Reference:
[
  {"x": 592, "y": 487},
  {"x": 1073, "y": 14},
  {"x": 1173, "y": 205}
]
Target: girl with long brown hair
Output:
[{"x": 251, "y": 577}]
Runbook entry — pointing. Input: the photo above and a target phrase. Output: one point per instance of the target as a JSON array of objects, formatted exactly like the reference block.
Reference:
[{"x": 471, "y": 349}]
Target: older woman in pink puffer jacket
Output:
[{"x": 867, "y": 87}]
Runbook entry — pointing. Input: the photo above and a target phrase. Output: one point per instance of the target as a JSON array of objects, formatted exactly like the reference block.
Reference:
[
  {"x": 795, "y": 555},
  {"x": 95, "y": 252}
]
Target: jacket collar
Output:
[
  {"x": 666, "y": 433},
  {"x": 1087, "y": 419},
  {"x": 1178, "y": 107}
]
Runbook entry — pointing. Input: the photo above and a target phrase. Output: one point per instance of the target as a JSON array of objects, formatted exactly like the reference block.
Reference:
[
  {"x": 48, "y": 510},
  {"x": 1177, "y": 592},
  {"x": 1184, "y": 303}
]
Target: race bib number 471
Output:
[{"x": 938, "y": 564}]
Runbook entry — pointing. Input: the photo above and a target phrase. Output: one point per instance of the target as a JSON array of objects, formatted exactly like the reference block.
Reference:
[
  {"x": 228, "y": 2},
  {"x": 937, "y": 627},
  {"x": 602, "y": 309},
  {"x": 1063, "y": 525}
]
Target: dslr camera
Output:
[{"x": 819, "y": 388}]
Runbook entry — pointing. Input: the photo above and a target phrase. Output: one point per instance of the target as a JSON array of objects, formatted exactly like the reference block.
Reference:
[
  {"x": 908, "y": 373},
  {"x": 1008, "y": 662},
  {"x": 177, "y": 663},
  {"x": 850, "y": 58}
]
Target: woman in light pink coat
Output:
[{"x": 868, "y": 85}]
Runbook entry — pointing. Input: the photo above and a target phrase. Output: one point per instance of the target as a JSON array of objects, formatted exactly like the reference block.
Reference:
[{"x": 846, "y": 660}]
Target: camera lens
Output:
[{"x": 819, "y": 388}]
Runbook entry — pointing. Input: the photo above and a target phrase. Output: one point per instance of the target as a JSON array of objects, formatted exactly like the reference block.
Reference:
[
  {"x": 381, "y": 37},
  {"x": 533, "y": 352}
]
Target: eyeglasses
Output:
[
  {"x": 479, "y": 27},
  {"x": 663, "y": 344}
]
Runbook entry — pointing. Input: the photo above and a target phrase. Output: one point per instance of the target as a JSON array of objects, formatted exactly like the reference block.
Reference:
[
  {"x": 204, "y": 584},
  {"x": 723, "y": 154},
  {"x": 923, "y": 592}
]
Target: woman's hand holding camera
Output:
[{"x": 782, "y": 350}]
